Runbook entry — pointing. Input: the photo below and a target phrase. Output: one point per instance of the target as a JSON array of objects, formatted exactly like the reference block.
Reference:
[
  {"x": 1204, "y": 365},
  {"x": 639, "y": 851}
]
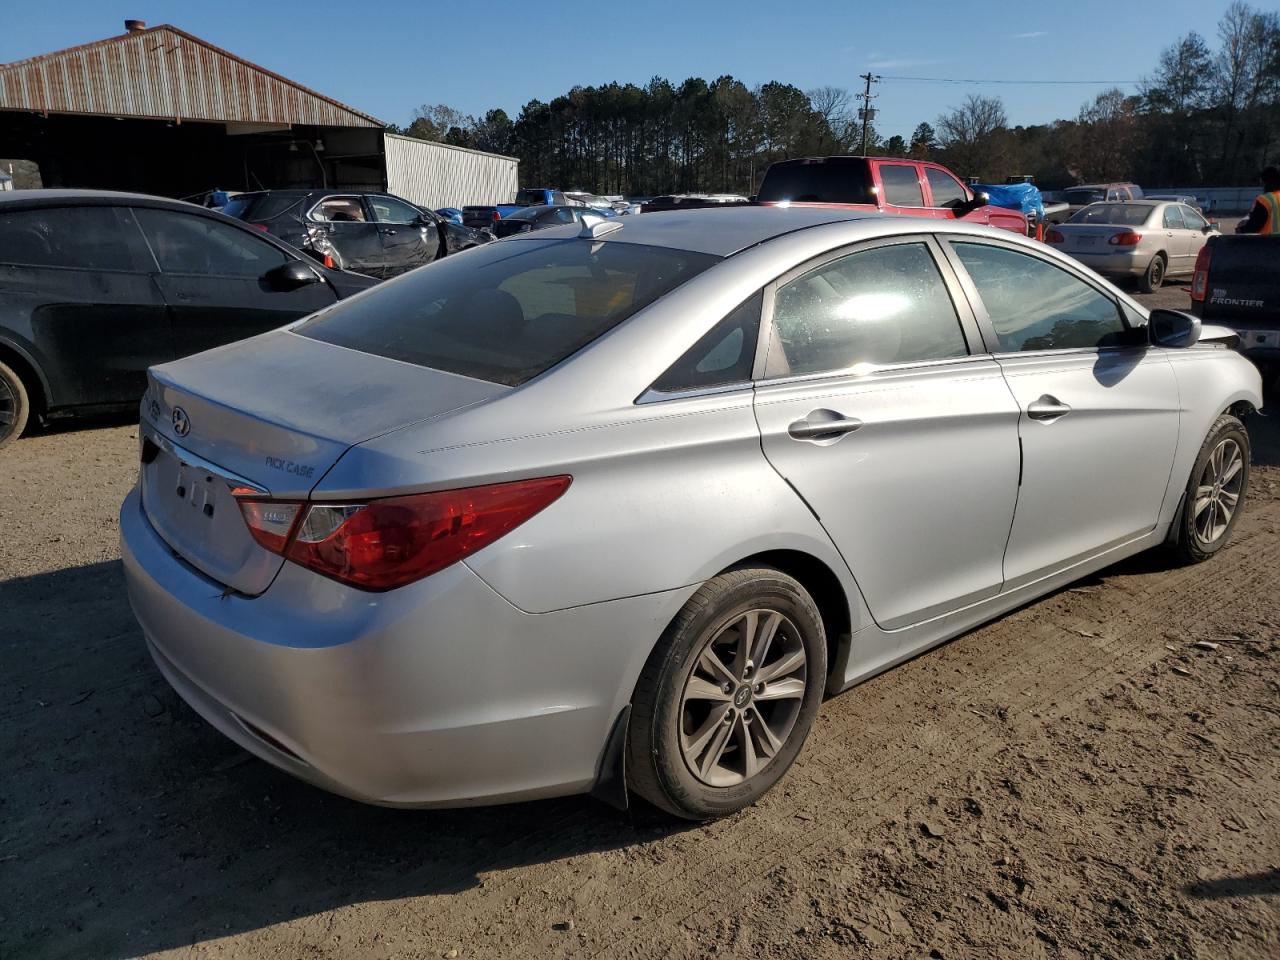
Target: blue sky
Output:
[{"x": 387, "y": 57}]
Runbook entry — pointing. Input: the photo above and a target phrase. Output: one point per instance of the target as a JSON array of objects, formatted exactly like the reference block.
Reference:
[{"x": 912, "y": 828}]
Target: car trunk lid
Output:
[
  {"x": 266, "y": 418},
  {"x": 1079, "y": 238}
]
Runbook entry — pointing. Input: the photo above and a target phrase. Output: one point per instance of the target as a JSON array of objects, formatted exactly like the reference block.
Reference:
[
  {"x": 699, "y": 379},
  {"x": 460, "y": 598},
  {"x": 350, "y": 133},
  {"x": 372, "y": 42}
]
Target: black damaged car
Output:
[
  {"x": 95, "y": 287},
  {"x": 376, "y": 234}
]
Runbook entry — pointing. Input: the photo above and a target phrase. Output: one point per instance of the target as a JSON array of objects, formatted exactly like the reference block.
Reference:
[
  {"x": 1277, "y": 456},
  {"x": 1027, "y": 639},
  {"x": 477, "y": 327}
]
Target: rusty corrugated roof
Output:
[{"x": 166, "y": 73}]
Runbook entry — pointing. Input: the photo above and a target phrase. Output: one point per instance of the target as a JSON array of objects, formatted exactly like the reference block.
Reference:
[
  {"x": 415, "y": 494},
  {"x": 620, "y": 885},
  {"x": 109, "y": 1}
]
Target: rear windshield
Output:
[
  {"x": 508, "y": 311},
  {"x": 818, "y": 183},
  {"x": 531, "y": 196},
  {"x": 1123, "y": 214},
  {"x": 261, "y": 206},
  {"x": 1084, "y": 196}
]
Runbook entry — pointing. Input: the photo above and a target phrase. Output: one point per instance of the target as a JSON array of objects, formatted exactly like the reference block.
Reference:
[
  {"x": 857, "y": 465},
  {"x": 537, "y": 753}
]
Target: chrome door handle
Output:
[
  {"x": 388, "y": 233},
  {"x": 823, "y": 425},
  {"x": 1047, "y": 408}
]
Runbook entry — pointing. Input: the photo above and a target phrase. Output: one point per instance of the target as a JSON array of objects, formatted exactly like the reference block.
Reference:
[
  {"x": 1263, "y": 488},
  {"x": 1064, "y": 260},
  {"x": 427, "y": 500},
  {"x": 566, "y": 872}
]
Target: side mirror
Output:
[
  {"x": 979, "y": 201},
  {"x": 290, "y": 276},
  {"x": 1173, "y": 328},
  {"x": 1209, "y": 228}
]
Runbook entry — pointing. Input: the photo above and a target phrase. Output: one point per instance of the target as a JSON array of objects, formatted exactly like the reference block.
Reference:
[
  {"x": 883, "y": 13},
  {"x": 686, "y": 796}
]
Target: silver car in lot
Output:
[
  {"x": 613, "y": 507},
  {"x": 1146, "y": 240}
]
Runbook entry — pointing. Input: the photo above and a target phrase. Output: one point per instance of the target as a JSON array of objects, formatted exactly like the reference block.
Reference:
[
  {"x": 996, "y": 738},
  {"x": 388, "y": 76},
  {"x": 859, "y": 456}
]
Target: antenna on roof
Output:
[{"x": 594, "y": 228}]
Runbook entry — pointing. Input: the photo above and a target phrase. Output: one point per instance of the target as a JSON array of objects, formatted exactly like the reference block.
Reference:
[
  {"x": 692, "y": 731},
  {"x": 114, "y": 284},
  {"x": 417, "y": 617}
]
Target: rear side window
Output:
[
  {"x": 1035, "y": 305},
  {"x": 901, "y": 185},
  {"x": 725, "y": 355},
  {"x": 817, "y": 182},
  {"x": 507, "y": 311},
  {"x": 945, "y": 188},
  {"x": 91, "y": 238},
  {"x": 1173, "y": 219},
  {"x": 339, "y": 210},
  {"x": 881, "y": 306},
  {"x": 197, "y": 245}
]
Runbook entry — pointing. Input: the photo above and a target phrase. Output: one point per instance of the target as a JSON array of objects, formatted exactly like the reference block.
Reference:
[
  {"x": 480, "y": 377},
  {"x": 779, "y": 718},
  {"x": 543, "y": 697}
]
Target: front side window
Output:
[
  {"x": 189, "y": 244},
  {"x": 945, "y": 188},
  {"x": 1173, "y": 219},
  {"x": 901, "y": 185},
  {"x": 881, "y": 306},
  {"x": 391, "y": 210},
  {"x": 339, "y": 210},
  {"x": 724, "y": 355},
  {"x": 507, "y": 311},
  {"x": 1035, "y": 305},
  {"x": 89, "y": 238}
]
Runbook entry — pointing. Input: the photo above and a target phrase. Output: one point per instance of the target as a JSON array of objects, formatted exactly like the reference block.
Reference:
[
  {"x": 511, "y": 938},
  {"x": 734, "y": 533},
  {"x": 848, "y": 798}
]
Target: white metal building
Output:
[{"x": 440, "y": 175}]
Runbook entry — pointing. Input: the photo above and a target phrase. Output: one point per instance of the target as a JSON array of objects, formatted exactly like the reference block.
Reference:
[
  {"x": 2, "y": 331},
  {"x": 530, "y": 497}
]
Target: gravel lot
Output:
[{"x": 1078, "y": 779}]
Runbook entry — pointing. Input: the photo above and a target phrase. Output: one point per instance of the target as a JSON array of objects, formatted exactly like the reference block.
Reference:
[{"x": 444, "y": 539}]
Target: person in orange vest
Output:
[{"x": 1264, "y": 218}]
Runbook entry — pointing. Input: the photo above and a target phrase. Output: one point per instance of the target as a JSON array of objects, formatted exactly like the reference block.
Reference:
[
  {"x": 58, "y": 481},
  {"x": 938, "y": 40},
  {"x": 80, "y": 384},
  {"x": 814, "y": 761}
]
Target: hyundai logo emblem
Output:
[{"x": 181, "y": 424}]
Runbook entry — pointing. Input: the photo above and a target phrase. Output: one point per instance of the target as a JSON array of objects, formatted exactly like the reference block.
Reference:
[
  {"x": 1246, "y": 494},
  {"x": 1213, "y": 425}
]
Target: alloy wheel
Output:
[
  {"x": 1218, "y": 492},
  {"x": 8, "y": 406},
  {"x": 742, "y": 698}
]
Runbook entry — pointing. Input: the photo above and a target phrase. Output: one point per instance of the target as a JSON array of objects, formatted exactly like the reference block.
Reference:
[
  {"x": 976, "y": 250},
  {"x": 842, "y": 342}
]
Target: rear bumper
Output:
[
  {"x": 438, "y": 694},
  {"x": 1126, "y": 264}
]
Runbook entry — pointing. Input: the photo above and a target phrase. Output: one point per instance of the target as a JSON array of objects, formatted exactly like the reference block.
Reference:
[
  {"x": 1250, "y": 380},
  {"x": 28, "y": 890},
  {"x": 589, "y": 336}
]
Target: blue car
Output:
[{"x": 452, "y": 214}]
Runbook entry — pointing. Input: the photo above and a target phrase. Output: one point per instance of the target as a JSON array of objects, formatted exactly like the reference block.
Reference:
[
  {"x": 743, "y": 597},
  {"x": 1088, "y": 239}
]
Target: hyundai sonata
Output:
[{"x": 612, "y": 507}]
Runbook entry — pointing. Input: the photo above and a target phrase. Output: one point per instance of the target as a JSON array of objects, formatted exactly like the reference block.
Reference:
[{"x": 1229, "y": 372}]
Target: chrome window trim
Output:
[
  {"x": 658, "y": 396},
  {"x": 874, "y": 370},
  {"x": 189, "y": 459}
]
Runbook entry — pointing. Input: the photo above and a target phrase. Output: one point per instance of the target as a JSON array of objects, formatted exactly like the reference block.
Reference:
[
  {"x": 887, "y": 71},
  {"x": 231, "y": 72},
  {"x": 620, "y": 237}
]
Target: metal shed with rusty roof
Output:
[{"x": 161, "y": 111}]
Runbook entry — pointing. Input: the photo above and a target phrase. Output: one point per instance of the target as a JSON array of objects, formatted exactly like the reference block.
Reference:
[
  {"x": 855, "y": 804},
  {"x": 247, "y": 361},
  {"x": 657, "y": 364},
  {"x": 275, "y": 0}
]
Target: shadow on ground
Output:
[{"x": 130, "y": 825}]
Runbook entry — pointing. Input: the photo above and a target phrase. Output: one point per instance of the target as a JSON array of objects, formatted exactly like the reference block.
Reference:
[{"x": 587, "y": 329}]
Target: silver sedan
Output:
[
  {"x": 1143, "y": 240},
  {"x": 612, "y": 508}
]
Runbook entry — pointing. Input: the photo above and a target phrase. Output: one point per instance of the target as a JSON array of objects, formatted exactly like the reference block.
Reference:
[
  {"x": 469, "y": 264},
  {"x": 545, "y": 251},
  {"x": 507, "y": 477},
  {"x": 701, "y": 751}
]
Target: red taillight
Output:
[
  {"x": 260, "y": 227},
  {"x": 1054, "y": 236},
  {"x": 1125, "y": 239},
  {"x": 383, "y": 544},
  {"x": 497, "y": 215},
  {"x": 1200, "y": 281}
]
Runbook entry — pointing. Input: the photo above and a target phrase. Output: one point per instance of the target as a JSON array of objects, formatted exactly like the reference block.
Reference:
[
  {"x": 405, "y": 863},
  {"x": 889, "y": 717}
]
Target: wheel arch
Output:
[
  {"x": 30, "y": 373},
  {"x": 828, "y": 593}
]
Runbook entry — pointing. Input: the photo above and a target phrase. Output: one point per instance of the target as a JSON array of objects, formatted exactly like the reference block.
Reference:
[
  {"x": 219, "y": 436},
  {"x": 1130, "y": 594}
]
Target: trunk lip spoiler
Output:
[{"x": 187, "y": 458}]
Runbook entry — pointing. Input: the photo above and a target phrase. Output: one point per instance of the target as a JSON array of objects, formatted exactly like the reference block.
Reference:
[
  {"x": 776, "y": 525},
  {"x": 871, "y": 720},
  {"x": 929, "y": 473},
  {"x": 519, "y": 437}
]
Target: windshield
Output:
[
  {"x": 1123, "y": 214},
  {"x": 508, "y": 311},
  {"x": 827, "y": 182},
  {"x": 260, "y": 206},
  {"x": 1076, "y": 197}
]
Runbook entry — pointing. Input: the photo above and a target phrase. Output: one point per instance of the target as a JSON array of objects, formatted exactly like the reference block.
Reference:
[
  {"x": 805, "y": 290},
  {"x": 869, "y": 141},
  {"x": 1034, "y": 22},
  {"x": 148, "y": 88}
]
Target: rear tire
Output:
[
  {"x": 15, "y": 405},
  {"x": 711, "y": 728},
  {"x": 1154, "y": 277},
  {"x": 1215, "y": 491}
]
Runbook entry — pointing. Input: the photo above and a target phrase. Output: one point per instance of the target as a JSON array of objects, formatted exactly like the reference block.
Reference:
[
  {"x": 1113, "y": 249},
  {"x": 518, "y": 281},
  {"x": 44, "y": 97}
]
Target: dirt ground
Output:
[{"x": 1078, "y": 779}]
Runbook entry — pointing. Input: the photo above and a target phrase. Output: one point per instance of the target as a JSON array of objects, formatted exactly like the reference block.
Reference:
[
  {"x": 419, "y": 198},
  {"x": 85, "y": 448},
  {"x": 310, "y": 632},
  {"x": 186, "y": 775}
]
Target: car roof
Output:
[
  {"x": 720, "y": 231},
  {"x": 91, "y": 198}
]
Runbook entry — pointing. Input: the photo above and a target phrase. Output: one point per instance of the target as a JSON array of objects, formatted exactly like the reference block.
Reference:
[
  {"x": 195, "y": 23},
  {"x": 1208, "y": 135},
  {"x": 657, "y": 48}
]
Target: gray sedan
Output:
[
  {"x": 612, "y": 507},
  {"x": 1146, "y": 240}
]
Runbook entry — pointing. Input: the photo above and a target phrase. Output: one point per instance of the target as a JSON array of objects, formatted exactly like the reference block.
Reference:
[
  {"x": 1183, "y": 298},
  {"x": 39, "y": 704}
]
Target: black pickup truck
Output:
[{"x": 1237, "y": 285}]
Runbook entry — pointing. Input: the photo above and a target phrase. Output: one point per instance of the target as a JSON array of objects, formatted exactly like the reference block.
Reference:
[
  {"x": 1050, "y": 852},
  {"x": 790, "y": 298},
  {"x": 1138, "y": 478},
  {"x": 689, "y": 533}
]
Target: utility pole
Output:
[{"x": 867, "y": 112}]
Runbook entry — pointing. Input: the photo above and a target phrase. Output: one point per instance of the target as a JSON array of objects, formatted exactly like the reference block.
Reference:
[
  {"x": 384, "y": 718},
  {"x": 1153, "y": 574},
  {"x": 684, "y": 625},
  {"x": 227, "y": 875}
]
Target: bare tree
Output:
[
  {"x": 1246, "y": 75},
  {"x": 433, "y": 121},
  {"x": 1112, "y": 136},
  {"x": 971, "y": 135}
]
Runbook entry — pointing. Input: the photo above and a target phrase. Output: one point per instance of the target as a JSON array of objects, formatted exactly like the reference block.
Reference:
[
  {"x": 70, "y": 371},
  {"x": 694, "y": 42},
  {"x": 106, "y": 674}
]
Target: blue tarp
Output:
[{"x": 1014, "y": 196}]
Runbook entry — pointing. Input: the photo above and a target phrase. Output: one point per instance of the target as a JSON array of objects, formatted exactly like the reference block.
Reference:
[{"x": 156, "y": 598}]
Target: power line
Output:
[{"x": 1055, "y": 82}]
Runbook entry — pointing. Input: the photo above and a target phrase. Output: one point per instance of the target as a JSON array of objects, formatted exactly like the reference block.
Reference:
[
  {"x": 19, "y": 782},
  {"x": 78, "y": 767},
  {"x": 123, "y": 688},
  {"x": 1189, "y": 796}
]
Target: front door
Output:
[
  {"x": 901, "y": 440},
  {"x": 77, "y": 288},
  {"x": 1098, "y": 408},
  {"x": 409, "y": 237},
  {"x": 213, "y": 277},
  {"x": 350, "y": 228}
]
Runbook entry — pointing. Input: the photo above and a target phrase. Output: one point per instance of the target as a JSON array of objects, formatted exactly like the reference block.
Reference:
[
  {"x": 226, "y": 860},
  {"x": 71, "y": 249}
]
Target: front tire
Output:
[
  {"x": 15, "y": 405},
  {"x": 728, "y": 695},
  {"x": 1154, "y": 277},
  {"x": 1215, "y": 492}
]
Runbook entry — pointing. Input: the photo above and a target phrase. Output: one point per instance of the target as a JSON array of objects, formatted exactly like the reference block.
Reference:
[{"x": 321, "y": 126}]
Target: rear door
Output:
[
  {"x": 78, "y": 291},
  {"x": 902, "y": 190},
  {"x": 406, "y": 241},
  {"x": 1098, "y": 407},
  {"x": 350, "y": 228},
  {"x": 881, "y": 408},
  {"x": 213, "y": 278},
  {"x": 1177, "y": 240}
]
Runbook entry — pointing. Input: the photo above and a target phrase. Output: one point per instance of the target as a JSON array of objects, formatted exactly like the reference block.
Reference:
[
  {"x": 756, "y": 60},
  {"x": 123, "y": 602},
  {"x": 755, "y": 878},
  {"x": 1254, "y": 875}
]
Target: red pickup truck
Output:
[{"x": 908, "y": 188}]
